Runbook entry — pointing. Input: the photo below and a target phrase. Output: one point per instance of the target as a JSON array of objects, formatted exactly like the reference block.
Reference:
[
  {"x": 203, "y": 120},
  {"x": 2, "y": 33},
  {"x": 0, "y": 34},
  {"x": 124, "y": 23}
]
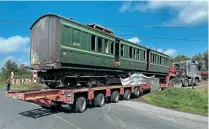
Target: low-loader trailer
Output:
[{"x": 77, "y": 99}]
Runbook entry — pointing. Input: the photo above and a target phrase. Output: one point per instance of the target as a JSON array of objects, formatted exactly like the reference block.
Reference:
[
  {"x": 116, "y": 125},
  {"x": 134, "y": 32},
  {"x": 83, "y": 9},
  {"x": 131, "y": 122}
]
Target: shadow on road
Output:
[{"x": 42, "y": 112}]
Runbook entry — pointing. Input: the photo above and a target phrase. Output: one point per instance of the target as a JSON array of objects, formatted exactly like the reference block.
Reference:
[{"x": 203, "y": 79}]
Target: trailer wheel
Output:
[
  {"x": 115, "y": 97},
  {"x": 186, "y": 82},
  {"x": 99, "y": 100},
  {"x": 127, "y": 95},
  {"x": 80, "y": 104},
  {"x": 136, "y": 92}
]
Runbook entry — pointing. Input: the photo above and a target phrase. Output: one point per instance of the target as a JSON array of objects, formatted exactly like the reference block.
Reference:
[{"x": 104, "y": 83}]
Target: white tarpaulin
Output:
[{"x": 138, "y": 78}]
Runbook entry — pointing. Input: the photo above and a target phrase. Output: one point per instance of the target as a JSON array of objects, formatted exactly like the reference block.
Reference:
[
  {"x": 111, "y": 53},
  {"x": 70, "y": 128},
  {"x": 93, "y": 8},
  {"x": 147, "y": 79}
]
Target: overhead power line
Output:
[
  {"x": 14, "y": 22},
  {"x": 166, "y": 27},
  {"x": 153, "y": 37},
  {"x": 167, "y": 38},
  {"x": 114, "y": 26}
]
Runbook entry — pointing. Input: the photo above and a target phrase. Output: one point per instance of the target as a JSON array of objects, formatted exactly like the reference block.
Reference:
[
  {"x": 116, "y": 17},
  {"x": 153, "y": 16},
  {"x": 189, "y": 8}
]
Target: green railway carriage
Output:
[{"x": 65, "y": 47}]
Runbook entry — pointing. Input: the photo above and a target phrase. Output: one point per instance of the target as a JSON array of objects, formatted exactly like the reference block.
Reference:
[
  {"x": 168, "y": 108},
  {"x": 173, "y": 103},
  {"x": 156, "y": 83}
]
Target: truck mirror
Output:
[{"x": 199, "y": 67}]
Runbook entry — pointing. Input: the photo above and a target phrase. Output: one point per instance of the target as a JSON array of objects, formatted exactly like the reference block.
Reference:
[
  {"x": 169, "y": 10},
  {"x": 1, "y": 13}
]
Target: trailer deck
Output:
[
  {"x": 78, "y": 98},
  {"x": 96, "y": 96}
]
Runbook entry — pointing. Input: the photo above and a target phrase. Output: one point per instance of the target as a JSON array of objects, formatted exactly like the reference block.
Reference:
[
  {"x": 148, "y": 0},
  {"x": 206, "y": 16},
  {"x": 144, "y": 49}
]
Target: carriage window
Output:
[
  {"x": 122, "y": 50},
  {"x": 155, "y": 59},
  {"x": 144, "y": 55},
  {"x": 137, "y": 53},
  {"x": 134, "y": 53},
  {"x": 76, "y": 37},
  {"x": 151, "y": 57},
  {"x": 112, "y": 47},
  {"x": 85, "y": 40},
  {"x": 130, "y": 52},
  {"x": 93, "y": 41},
  {"x": 99, "y": 47},
  {"x": 160, "y": 60},
  {"x": 106, "y": 46}
]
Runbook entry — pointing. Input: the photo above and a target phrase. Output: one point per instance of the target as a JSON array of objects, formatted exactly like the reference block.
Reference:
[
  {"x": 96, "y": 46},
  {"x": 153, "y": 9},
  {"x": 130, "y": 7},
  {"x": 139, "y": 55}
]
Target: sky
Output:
[{"x": 15, "y": 38}]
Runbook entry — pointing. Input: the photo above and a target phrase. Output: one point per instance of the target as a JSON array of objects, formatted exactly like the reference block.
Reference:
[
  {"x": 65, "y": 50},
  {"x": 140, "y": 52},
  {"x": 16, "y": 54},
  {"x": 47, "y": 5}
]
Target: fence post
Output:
[{"x": 34, "y": 76}]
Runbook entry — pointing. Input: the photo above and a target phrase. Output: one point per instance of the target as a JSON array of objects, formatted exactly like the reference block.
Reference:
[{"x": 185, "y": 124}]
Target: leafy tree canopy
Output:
[
  {"x": 179, "y": 58},
  {"x": 205, "y": 57}
]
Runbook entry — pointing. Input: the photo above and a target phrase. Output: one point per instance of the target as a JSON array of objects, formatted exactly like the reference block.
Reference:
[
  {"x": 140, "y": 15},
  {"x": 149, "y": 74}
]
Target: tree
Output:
[
  {"x": 205, "y": 57},
  {"x": 179, "y": 58},
  {"x": 23, "y": 72},
  {"x": 9, "y": 67},
  {"x": 199, "y": 58}
]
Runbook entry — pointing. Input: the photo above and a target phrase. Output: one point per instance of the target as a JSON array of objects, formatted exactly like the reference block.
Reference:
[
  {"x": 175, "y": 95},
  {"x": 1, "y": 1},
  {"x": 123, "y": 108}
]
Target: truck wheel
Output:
[
  {"x": 80, "y": 105},
  {"x": 186, "y": 82},
  {"x": 99, "y": 100},
  {"x": 178, "y": 83},
  {"x": 136, "y": 92},
  {"x": 127, "y": 95},
  {"x": 115, "y": 97},
  {"x": 196, "y": 83}
]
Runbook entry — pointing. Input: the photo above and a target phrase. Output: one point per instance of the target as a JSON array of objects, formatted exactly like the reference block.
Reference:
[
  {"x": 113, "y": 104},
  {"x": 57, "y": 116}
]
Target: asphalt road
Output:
[
  {"x": 15, "y": 114},
  {"x": 202, "y": 84}
]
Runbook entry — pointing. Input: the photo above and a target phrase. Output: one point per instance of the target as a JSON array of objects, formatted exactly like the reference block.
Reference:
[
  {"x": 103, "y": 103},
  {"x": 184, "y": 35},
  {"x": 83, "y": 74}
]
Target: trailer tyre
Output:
[
  {"x": 99, "y": 100},
  {"x": 80, "y": 104},
  {"x": 115, "y": 97},
  {"x": 136, "y": 92},
  {"x": 127, "y": 95}
]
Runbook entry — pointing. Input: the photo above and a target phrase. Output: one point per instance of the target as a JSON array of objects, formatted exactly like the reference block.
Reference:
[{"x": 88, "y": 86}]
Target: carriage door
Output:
[{"x": 117, "y": 50}]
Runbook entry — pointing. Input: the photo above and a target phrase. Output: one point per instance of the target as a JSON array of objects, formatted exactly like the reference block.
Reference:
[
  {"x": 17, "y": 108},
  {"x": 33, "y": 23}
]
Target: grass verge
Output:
[{"x": 181, "y": 99}]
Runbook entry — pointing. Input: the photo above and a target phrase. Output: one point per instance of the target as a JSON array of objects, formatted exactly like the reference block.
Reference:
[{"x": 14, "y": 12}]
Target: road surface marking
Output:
[
  {"x": 67, "y": 122},
  {"x": 11, "y": 120}
]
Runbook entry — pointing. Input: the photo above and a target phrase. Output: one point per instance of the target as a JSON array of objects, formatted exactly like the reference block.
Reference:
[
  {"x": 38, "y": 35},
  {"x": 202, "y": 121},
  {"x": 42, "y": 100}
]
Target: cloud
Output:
[
  {"x": 14, "y": 44},
  {"x": 126, "y": 6},
  {"x": 18, "y": 60},
  {"x": 184, "y": 13},
  {"x": 170, "y": 52},
  {"x": 135, "y": 40},
  {"x": 159, "y": 50}
]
